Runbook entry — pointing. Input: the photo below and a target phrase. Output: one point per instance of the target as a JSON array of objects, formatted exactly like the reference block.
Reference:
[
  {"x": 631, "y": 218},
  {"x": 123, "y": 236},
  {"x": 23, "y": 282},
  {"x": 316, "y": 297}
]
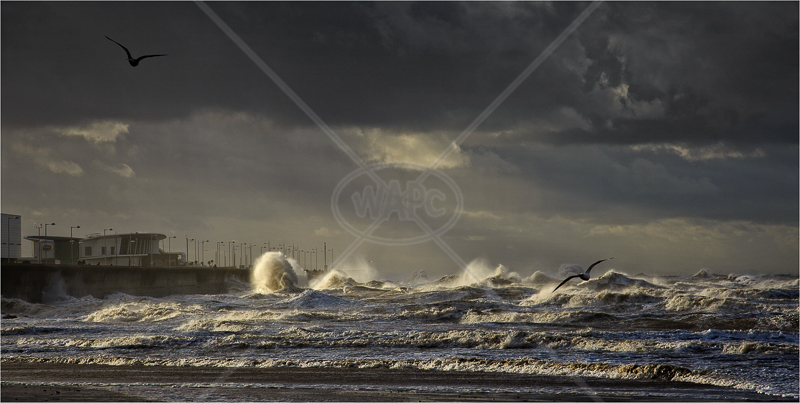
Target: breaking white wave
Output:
[
  {"x": 272, "y": 272},
  {"x": 722, "y": 330}
]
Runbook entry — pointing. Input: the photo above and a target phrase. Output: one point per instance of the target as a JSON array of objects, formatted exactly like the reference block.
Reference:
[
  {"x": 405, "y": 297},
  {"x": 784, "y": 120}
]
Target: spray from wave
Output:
[
  {"x": 481, "y": 271},
  {"x": 359, "y": 271},
  {"x": 272, "y": 273}
]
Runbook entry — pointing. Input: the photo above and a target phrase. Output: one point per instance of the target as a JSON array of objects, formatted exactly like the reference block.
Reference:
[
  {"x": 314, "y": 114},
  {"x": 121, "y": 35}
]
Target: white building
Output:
[
  {"x": 11, "y": 235},
  {"x": 134, "y": 249},
  {"x": 54, "y": 249}
]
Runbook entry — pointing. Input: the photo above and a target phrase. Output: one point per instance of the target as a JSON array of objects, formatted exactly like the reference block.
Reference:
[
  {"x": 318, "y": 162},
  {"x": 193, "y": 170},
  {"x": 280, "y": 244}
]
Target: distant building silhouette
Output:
[
  {"x": 130, "y": 249},
  {"x": 11, "y": 235}
]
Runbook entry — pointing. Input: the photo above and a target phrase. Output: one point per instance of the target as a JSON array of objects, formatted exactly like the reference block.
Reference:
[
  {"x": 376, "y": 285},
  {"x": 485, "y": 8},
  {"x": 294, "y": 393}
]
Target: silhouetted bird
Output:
[
  {"x": 583, "y": 276},
  {"x": 131, "y": 60}
]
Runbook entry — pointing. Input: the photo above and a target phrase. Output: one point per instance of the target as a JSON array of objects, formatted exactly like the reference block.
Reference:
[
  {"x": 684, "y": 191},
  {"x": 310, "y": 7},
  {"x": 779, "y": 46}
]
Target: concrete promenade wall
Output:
[{"x": 45, "y": 283}]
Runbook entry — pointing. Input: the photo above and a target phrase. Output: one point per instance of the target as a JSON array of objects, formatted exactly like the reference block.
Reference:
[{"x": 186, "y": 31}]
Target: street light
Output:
[
  {"x": 150, "y": 248},
  {"x": 132, "y": 248},
  {"x": 105, "y": 245},
  {"x": 203, "y": 252},
  {"x": 169, "y": 250},
  {"x": 45, "y": 237},
  {"x": 316, "y": 258},
  {"x": 39, "y": 237},
  {"x": 72, "y": 246},
  {"x": 219, "y": 257},
  {"x": 232, "y": 252},
  {"x": 187, "y": 248},
  {"x": 250, "y": 261},
  {"x": 195, "y": 251}
]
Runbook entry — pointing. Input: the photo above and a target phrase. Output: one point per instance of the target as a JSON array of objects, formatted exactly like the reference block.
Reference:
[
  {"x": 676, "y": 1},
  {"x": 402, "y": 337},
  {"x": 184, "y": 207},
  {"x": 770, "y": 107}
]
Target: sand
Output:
[{"x": 69, "y": 382}]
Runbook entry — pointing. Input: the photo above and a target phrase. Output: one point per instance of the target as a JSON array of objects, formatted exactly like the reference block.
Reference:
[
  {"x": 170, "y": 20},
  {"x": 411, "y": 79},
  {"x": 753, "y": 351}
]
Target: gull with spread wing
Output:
[
  {"x": 583, "y": 276},
  {"x": 131, "y": 60}
]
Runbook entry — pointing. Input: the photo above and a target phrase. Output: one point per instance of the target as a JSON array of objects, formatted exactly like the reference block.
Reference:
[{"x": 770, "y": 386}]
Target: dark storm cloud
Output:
[
  {"x": 639, "y": 72},
  {"x": 68, "y": 73},
  {"x": 649, "y": 120},
  {"x": 717, "y": 72},
  {"x": 622, "y": 185}
]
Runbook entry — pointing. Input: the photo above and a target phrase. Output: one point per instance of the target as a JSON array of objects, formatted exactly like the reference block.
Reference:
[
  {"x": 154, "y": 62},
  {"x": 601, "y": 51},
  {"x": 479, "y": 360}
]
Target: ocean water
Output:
[{"x": 737, "y": 331}]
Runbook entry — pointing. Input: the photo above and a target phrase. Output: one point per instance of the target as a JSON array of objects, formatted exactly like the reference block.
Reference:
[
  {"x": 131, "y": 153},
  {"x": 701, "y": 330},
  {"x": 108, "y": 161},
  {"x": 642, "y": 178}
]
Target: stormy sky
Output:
[{"x": 663, "y": 134}]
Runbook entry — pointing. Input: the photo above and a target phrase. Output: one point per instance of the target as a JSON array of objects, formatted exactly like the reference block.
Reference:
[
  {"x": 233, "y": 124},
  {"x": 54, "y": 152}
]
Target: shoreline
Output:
[{"x": 93, "y": 382}]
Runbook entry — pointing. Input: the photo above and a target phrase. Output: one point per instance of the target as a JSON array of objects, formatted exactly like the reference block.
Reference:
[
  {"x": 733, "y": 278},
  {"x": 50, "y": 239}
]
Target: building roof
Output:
[
  {"x": 148, "y": 235},
  {"x": 50, "y": 238}
]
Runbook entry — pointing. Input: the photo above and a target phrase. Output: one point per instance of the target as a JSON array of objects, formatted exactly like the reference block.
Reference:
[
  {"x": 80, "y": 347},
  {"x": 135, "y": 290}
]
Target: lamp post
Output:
[
  {"x": 316, "y": 258},
  {"x": 131, "y": 249},
  {"x": 105, "y": 244},
  {"x": 169, "y": 250},
  {"x": 203, "y": 252},
  {"x": 72, "y": 246},
  {"x": 45, "y": 237},
  {"x": 219, "y": 258},
  {"x": 39, "y": 228},
  {"x": 187, "y": 248}
]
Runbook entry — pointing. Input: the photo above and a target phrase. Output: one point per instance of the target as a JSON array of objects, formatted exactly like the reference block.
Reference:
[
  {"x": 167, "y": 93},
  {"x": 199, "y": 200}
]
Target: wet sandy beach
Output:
[{"x": 71, "y": 382}]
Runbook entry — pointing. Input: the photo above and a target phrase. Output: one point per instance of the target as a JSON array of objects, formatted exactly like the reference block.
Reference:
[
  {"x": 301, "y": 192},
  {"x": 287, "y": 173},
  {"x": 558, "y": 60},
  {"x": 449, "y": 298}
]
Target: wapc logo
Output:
[{"x": 397, "y": 199}]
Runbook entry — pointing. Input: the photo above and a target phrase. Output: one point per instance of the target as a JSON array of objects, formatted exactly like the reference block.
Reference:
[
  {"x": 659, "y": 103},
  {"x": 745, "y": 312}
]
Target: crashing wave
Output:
[
  {"x": 612, "y": 280},
  {"x": 419, "y": 277},
  {"x": 333, "y": 279},
  {"x": 449, "y": 279},
  {"x": 272, "y": 272}
]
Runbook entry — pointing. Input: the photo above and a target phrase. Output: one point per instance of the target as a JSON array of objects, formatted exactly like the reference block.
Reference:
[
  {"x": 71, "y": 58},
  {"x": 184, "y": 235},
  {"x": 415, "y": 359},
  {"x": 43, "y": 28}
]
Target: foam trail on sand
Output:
[{"x": 272, "y": 272}]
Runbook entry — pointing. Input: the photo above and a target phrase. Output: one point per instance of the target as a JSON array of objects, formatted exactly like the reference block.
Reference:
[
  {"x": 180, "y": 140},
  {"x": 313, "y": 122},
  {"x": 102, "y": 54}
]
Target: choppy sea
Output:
[{"x": 736, "y": 331}]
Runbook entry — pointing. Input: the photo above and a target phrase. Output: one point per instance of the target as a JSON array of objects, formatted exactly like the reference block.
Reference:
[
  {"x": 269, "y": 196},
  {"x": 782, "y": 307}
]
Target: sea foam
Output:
[{"x": 272, "y": 272}]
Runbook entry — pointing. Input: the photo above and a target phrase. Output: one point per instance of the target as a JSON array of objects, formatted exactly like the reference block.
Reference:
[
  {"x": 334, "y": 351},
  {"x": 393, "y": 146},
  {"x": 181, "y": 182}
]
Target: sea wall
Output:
[{"x": 45, "y": 283}]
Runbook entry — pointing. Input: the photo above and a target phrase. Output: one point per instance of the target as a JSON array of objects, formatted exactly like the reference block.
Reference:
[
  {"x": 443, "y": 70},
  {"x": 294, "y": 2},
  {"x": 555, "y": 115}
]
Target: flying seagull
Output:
[
  {"x": 583, "y": 276},
  {"x": 131, "y": 60}
]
